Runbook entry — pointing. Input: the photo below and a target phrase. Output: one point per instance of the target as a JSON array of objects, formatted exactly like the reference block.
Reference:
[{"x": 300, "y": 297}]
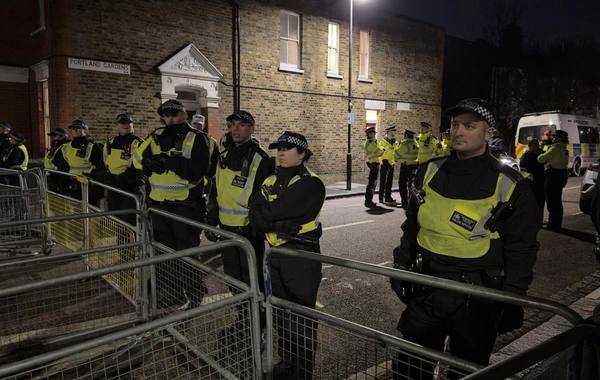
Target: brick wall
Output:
[{"x": 406, "y": 61}]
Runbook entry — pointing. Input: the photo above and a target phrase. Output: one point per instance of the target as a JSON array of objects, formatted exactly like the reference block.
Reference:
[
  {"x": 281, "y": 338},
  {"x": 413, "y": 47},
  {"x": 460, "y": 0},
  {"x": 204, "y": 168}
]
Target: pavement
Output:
[{"x": 340, "y": 190}]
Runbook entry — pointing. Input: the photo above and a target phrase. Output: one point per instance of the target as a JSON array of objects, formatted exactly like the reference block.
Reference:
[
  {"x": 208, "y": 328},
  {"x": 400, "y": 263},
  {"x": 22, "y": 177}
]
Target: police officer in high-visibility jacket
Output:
[
  {"x": 120, "y": 171},
  {"x": 470, "y": 219},
  {"x": 58, "y": 137},
  {"x": 16, "y": 159},
  {"x": 275, "y": 212},
  {"x": 388, "y": 145},
  {"x": 82, "y": 157},
  {"x": 446, "y": 144},
  {"x": 176, "y": 160},
  {"x": 556, "y": 163},
  {"x": 429, "y": 145},
  {"x": 242, "y": 169},
  {"x": 374, "y": 154},
  {"x": 406, "y": 155}
]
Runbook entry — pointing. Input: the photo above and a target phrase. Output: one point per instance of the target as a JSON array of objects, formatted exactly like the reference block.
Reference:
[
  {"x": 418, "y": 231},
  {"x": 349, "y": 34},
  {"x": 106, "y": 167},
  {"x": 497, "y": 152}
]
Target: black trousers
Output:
[
  {"x": 176, "y": 279},
  {"x": 556, "y": 179},
  {"x": 429, "y": 319},
  {"x": 385, "y": 181},
  {"x": 373, "y": 174},
  {"x": 296, "y": 280},
  {"x": 405, "y": 182},
  {"x": 116, "y": 201}
]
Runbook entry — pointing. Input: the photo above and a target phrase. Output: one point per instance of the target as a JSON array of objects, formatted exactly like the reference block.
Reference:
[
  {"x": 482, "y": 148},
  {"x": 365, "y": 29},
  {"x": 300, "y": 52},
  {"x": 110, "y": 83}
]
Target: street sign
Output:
[{"x": 351, "y": 118}]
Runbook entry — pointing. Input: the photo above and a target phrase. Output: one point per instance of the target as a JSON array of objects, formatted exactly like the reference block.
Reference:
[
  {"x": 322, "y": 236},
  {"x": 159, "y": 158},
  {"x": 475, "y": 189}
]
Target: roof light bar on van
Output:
[{"x": 540, "y": 113}]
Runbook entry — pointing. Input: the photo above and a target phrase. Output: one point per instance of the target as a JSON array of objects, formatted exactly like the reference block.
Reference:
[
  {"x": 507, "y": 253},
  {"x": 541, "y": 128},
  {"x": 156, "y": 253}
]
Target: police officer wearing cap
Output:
[
  {"x": 176, "y": 159},
  {"x": 82, "y": 157},
  {"x": 120, "y": 172},
  {"x": 198, "y": 122},
  {"x": 16, "y": 159},
  {"x": 4, "y": 140},
  {"x": 58, "y": 137},
  {"x": 388, "y": 145},
  {"x": 275, "y": 211},
  {"x": 556, "y": 164},
  {"x": 373, "y": 153},
  {"x": 242, "y": 169},
  {"x": 429, "y": 145},
  {"x": 406, "y": 155},
  {"x": 446, "y": 144},
  {"x": 471, "y": 219}
]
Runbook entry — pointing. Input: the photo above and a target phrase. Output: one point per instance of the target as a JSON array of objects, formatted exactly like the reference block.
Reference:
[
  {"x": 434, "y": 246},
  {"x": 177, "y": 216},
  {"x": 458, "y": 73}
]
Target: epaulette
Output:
[{"x": 154, "y": 131}]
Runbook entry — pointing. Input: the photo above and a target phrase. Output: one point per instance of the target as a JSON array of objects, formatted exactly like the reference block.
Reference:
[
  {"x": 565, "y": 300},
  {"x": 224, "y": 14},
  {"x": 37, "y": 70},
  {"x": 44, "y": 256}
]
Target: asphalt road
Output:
[{"x": 352, "y": 231}]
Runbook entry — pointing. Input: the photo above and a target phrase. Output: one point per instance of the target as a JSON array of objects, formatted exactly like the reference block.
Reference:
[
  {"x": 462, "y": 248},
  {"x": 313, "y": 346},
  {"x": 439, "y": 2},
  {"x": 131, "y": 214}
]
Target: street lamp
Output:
[{"x": 350, "y": 114}]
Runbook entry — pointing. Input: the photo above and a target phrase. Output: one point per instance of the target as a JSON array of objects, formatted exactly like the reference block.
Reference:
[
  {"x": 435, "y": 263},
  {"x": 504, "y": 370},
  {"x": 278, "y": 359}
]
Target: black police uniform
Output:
[
  {"x": 131, "y": 180},
  {"x": 71, "y": 187},
  {"x": 472, "y": 323},
  {"x": 54, "y": 180},
  {"x": 530, "y": 163},
  {"x": 292, "y": 278},
  {"x": 14, "y": 157}
]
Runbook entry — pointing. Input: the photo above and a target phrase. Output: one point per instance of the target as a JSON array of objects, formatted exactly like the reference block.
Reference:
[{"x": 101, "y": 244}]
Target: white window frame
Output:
[
  {"x": 286, "y": 66},
  {"x": 365, "y": 56},
  {"x": 333, "y": 50}
]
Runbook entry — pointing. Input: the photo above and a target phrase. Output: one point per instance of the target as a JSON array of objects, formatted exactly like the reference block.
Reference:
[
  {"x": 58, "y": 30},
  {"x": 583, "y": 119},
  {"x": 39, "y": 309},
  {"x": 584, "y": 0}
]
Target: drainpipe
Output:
[{"x": 235, "y": 53}]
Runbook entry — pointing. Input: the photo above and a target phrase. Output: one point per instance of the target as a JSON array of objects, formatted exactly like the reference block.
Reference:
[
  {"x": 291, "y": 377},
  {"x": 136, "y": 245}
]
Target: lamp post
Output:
[{"x": 350, "y": 115}]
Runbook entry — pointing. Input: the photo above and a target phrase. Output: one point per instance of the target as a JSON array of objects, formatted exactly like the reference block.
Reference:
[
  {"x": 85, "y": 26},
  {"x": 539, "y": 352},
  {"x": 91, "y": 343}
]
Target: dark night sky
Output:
[{"x": 542, "y": 20}]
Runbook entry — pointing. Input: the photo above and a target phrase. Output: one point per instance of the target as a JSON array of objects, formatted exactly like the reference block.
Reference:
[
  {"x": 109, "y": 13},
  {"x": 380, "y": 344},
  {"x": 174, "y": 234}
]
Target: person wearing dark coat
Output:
[
  {"x": 530, "y": 164},
  {"x": 275, "y": 212}
]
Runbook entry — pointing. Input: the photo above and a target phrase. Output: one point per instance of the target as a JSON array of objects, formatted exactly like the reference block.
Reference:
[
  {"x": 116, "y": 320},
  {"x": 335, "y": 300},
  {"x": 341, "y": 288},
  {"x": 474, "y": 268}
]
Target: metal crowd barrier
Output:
[
  {"x": 22, "y": 197},
  {"x": 368, "y": 353},
  {"x": 179, "y": 344}
]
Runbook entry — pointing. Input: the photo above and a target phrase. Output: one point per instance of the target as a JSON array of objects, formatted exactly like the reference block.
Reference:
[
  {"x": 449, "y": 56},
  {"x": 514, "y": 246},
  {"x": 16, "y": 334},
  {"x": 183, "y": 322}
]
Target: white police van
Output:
[{"x": 584, "y": 135}]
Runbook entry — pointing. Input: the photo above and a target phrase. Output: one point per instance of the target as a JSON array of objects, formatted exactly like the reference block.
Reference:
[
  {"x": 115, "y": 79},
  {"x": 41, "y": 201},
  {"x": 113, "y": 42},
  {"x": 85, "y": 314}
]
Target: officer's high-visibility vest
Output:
[
  {"x": 118, "y": 160},
  {"x": 373, "y": 151},
  {"x": 427, "y": 147},
  {"x": 407, "y": 152},
  {"x": 556, "y": 157},
  {"x": 306, "y": 227},
  {"x": 234, "y": 189},
  {"x": 23, "y": 165},
  {"x": 168, "y": 186},
  {"x": 389, "y": 148},
  {"x": 455, "y": 227},
  {"x": 78, "y": 164},
  {"x": 48, "y": 157},
  {"x": 446, "y": 146}
]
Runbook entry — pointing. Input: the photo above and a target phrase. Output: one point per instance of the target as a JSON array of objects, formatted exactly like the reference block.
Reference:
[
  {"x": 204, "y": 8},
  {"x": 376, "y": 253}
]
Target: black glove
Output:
[
  {"x": 289, "y": 227},
  {"x": 173, "y": 163},
  {"x": 158, "y": 163},
  {"x": 400, "y": 288},
  {"x": 212, "y": 236},
  {"x": 509, "y": 317}
]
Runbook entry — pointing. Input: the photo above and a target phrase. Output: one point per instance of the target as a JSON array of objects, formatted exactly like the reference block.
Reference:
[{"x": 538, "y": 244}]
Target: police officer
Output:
[
  {"x": 556, "y": 163},
  {"x": 198, "y": 122},
  {"x": 374, "y": 154},
  {"x": 529, "y": 163},
  {"x": 4, "y": 140},
  {"x": 449, "y": 233},
  {"x": 406, "y": 155},
  {"x": 58, "y": 137},
  {"x": 120, "y": 171},
  {"x": 16, "y": 159},
  {"x": 446, "y": 144},
  {"x": 82, "y": 157},
  {"x": 429, "y": 145},
  {"x": 388, "y": 145},
  {"x": 242, "y": 169},
  {"x": 275, "y": 213},
  {"x": 176, "y": 160},
  {"x": 496, "y": 144},
  {"x": 546, "y": 140}
]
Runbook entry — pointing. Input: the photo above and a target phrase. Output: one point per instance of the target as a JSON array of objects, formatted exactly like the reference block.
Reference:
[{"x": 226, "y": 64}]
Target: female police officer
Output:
[{"x": 276, "y": 213}]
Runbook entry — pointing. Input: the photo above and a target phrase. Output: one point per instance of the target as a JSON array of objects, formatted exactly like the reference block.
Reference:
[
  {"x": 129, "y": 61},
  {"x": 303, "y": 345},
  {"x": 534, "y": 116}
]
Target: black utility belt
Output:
[{"x": 174, "y": 203}]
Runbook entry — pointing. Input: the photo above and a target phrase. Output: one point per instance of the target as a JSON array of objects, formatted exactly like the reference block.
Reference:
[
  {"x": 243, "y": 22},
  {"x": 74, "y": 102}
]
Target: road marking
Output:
[
  {"x": 384, "y": 263},
  {"x": 319, "y": 305},
  {"x": 348, "y": 225},
  {"x": 577, "y": 213},
  {"x": 354, "y": 205},
  {"x": 572, "y": 187}
]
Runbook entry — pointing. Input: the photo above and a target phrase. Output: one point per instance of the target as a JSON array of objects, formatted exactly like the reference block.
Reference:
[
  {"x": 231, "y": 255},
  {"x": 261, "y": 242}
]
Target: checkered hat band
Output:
[
  {"x": 486, "y": 114},
  {"x": 173, "y": 106},
  {"x": 294, "y": 141}
]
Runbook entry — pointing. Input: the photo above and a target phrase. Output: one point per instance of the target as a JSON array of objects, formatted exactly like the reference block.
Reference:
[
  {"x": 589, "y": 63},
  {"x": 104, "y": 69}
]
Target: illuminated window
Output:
[
  {"x": 289, "y": 40},
  {"x": 364, "y": 54},
  {"x": 333, "y": 49}
]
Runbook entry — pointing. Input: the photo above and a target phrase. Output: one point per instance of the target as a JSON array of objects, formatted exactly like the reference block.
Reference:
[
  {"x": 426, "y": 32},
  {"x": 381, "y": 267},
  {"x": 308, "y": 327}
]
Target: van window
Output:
[
  {"x": 526, "y": 134},
  {"x": 587, "y": 135}
]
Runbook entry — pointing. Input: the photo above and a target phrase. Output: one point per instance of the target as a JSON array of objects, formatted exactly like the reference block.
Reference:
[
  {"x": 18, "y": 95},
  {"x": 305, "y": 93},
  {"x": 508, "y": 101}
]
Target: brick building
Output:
[{"x": 285, "y": 61}]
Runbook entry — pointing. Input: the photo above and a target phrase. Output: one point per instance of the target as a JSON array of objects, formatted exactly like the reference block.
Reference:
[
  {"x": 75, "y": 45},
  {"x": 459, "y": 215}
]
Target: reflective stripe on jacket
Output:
[
  {"x": 372, "y": 151},
  {"x": 452, "y": 227},
  {"x": 77, "y": 164},
  {"x": 389, "y": 148},
  {"x": 407, "y": 152}
]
